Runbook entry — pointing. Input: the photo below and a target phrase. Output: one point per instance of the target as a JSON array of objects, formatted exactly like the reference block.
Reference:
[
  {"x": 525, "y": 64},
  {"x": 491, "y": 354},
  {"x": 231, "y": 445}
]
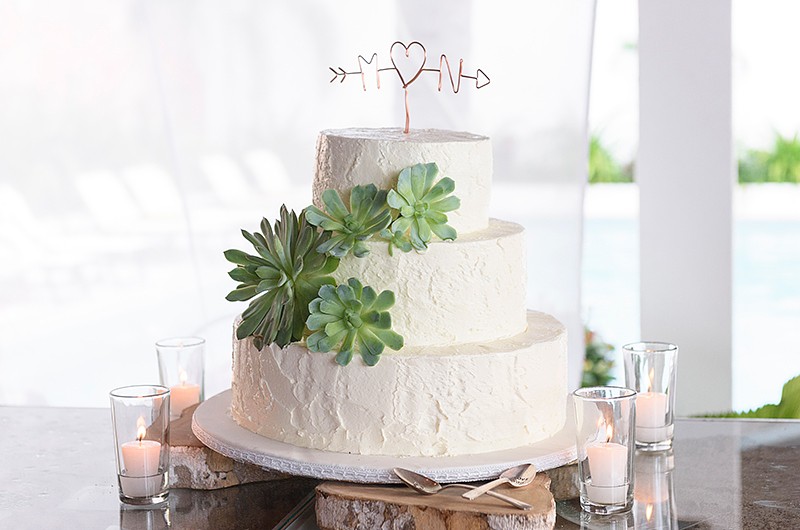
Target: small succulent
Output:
[
  {"x": 368, "y": 215},
  {"x": 396, "y": 239},
  {"x": 423, "y": 205},
  {"x": 351, "y": 317},
  {"x": 284, "y": 277}
]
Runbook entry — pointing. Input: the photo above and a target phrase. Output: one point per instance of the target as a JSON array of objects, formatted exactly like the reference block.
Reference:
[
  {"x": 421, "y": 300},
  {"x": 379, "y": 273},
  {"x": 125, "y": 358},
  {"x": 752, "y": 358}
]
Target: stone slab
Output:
[
  {"x": 564, "y": 482},
  {"x": 195, "y": 466}
]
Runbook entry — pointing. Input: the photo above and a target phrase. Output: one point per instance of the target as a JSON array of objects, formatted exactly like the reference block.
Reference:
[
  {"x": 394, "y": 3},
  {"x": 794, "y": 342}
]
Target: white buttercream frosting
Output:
[
  {"x": 468, "y": 290},
  {"x": 351, "y": 157},
  {"x": 477, "y": 373},
  {"x": 451, "y": 400}
]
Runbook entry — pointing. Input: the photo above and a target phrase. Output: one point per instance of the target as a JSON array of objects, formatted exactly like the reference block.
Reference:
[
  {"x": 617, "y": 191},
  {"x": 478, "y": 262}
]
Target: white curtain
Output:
[{"x": 137, "y": 137}]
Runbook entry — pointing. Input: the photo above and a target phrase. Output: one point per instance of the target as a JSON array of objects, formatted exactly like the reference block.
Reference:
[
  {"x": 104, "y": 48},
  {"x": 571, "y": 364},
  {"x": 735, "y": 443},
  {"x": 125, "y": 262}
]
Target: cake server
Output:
[
  {"x": 517, "y": 476},
  {"x": 428, "y": 486}
]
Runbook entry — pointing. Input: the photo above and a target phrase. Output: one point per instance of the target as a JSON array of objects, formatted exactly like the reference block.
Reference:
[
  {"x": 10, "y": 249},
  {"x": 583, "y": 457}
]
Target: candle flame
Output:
[
  {"x": 648, "y": 512},
  {"x": 141, "y": 429},
  {"x": 609, "y": 432},
  {"x": 183, "y": 377},
  {"x": 652, "y": 376}
]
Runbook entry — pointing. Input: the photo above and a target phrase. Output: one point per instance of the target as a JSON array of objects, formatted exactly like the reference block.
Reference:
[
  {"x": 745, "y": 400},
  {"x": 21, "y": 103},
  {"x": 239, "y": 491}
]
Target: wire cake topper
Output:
[{"x": 409, "y": 68}]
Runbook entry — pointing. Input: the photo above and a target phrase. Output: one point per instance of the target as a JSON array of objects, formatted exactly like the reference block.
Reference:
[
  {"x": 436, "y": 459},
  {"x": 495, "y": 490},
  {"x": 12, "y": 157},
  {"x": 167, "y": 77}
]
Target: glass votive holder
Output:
[
  {"x": 604, "y": 420},
  {"x": 140, "y": 419},
  {"x": 181, "y": 368},
  {"x": 650, "y": 370},
  {"x": 653, "y": 498}
]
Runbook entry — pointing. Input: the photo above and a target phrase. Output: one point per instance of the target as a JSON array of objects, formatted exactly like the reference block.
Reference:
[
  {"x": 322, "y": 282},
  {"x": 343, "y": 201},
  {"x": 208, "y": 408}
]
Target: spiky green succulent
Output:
[
  {"x": 350, "y": 318},
  {"x": 423, "y": 205},
  {"x": 282, "y": 279},
  {"x": 368, "y": 214}
]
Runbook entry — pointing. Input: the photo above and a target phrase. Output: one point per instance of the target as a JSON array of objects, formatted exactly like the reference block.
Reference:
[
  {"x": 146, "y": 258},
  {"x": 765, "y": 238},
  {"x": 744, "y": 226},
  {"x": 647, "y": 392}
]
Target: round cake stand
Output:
[{"x": 213, "y": 425}]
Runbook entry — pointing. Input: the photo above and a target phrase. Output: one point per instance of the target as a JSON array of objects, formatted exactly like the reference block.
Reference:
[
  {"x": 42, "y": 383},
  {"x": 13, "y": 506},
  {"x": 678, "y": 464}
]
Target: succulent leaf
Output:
[
  {"x": 444, "y": 232},
  {"x": 448, "y": 204},
  {"x": 344, "y": 357},
  {"x": 396, "y": 239},
  {"x": 242, "y": 293},
  {"x": 391, "y": 338},
  {"x": 421, "y": 207},
  {"x": 284, "y": 278},
  {"x": 444, "y": 187},
  {"x": 352, "y": 318},
  {"x": 384, "y": 301},
  {"x": 368, "y": 215}
]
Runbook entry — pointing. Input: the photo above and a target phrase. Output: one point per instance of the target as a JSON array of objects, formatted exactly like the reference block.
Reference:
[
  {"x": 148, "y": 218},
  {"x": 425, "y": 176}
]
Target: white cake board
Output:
[{"x": 213, "y": 425}]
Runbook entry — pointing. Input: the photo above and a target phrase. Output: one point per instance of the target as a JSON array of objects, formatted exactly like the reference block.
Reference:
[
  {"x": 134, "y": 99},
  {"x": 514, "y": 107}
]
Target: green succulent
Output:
[
  {"x": 368, "y": 215},
  {"x": 396, "y": 239},
  {"x": 352, "y": 317},
  {"x": 423, "y": 205},
  {"x": 284, "y": 277}
]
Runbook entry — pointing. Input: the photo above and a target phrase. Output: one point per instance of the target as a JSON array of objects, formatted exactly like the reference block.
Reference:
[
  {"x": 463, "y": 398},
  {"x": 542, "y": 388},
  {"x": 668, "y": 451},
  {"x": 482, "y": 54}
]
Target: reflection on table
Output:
[{"x": 724, "y": 474}]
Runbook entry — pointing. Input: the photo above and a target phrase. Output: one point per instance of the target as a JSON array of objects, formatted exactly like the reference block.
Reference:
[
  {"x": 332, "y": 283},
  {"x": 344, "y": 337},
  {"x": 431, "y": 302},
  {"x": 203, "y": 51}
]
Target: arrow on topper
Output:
[
  {"x": 412, "y": 68},
  {"x": 481, "y": 79}
]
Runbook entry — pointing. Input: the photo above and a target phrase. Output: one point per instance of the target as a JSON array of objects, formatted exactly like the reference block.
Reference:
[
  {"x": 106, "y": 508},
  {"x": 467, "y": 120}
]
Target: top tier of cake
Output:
[{"x": 352, "y": 157}]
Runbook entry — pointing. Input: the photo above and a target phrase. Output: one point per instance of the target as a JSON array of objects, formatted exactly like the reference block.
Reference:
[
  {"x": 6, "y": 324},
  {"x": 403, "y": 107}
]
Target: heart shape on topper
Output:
[{"x": 411, "y": 65}]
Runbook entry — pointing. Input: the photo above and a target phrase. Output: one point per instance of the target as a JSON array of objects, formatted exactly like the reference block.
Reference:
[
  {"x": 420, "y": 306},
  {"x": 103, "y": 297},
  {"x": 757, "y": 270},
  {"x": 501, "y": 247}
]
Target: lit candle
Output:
[
  {"x": 141, "y": 461},
  {"x": 182, "y": 396},
  {"x": 651, "y": 416},
  {"x": 608, "y": 464}
]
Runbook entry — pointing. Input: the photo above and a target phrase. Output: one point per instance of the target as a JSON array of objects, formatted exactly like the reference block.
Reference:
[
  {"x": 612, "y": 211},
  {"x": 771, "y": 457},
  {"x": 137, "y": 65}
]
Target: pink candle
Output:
[
  {"x": 608, "y": 465},
  {"x": 183, "y": 396},
  {"x": 651, "y": 409},
  {"x": 141, "y": 460}
]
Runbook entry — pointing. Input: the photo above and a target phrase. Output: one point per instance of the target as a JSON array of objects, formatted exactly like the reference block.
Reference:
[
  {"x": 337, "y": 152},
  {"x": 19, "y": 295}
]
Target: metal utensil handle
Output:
[
  {"x": 477, "y": 492},
  {"x": 510, "y": 500}
]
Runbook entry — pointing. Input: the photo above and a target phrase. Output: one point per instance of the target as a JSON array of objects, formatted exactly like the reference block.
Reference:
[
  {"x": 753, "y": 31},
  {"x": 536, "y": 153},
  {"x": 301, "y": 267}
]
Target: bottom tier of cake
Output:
[{"x": 466, "y": 399}]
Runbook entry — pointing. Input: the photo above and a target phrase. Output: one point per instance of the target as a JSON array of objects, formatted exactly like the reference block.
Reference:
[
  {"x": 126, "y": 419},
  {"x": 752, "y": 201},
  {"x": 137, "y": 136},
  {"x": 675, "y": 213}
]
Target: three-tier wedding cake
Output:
[{"x": 476, "y": 372}]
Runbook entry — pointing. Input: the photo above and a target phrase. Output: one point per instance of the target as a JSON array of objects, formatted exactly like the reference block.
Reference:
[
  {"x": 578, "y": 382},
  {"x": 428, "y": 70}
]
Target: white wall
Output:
[{"x": 685, "y": 175}]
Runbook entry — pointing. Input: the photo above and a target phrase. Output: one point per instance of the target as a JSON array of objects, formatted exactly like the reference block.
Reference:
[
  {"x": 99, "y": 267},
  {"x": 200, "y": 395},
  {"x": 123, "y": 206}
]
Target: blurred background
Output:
[
  {"x": 138, "y": 137},
  {"x": 766, "y": 198}
]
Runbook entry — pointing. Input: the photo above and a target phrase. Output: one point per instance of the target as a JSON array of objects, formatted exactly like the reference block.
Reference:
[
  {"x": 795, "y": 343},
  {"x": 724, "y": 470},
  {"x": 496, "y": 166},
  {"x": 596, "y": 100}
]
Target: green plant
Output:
[
  {"x": 781, "y": 163},
  {"x": 284, "y": 277},
  {"x": 422, "y": 206},
  {"x": 603, "y": 167},
  {"x": 596, "y": 365},
  {"x": 289, "y": 282},
  {"x": 396, "y": 239},
  {"x": 352, "y": 317},
  {"x": 787, "y": 408},
  {"x": 368, "y": 215}
]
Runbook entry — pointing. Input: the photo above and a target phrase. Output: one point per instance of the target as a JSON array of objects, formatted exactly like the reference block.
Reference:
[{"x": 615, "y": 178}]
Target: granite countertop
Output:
[{"x": 57, "y": 471}]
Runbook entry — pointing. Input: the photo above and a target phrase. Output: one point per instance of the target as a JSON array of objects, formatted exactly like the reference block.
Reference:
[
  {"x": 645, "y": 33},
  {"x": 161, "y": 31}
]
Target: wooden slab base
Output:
[
  {"x": 195, "y": 466},
  {"x": 342, "y": 506}
]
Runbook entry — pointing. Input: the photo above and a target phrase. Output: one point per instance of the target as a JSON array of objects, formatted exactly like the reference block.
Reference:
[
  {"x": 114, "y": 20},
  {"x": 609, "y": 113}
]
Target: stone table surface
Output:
[{"x": 57, "y": 471}]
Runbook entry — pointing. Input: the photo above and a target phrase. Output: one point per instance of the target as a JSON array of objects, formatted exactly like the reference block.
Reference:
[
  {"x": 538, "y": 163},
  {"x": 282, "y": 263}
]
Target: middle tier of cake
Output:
[{"x": 463, "y": 291}]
